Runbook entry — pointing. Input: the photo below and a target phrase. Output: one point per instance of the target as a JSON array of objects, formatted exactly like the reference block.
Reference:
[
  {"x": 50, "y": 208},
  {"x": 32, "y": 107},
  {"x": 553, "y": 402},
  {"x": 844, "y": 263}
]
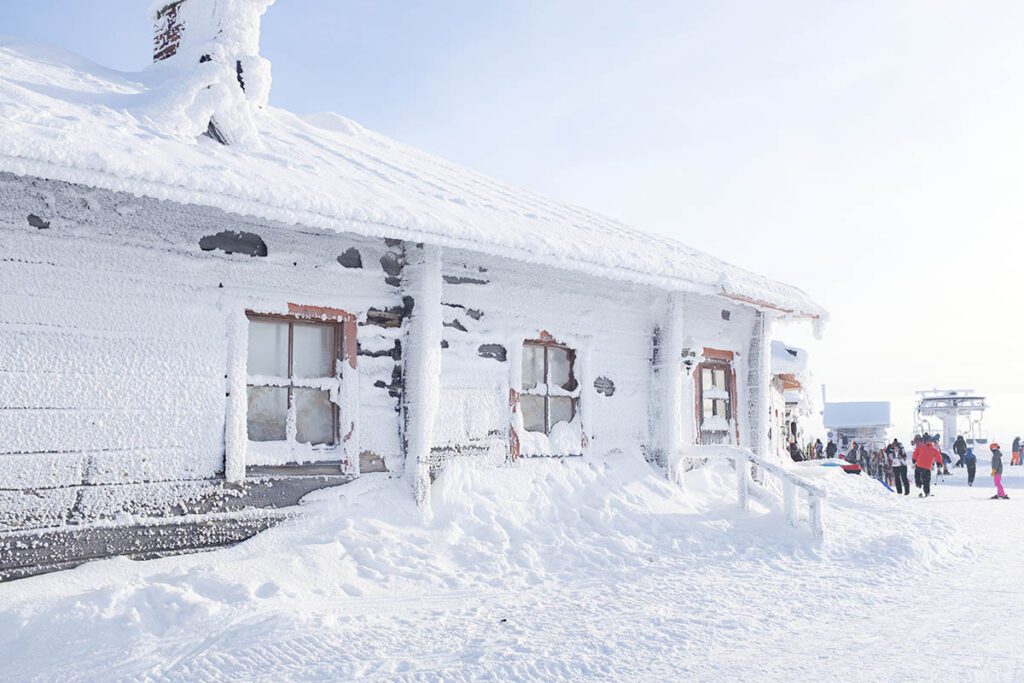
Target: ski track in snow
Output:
[{"x": 614, "y": 575}]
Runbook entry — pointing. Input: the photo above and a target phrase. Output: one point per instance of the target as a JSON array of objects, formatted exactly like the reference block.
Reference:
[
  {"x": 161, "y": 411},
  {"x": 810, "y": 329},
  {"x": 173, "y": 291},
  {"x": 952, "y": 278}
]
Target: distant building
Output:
[
  {"x": 866, "y": 422},
  {"x": 792, "y": 410}
]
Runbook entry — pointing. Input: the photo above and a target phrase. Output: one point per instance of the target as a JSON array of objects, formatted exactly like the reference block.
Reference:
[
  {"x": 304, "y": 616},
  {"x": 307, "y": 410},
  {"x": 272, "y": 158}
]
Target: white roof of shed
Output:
[
  {"x": 64, "y": 118},
  {"x": 857, "y": 414}
]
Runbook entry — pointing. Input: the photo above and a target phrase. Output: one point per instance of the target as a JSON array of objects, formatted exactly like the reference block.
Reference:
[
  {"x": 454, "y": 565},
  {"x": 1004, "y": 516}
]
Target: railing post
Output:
[
  {"x": 743, "y": 481},
  {"x": 817, "y": 528},
  {"x": 789, "y": 501},
  {"x": 744, "y": 461}
]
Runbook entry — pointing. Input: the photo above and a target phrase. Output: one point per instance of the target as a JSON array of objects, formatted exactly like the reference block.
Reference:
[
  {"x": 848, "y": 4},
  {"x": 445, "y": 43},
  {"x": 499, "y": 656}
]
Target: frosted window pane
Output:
[
  {"x": 268, "y": 413},
  {"x": 268, "y": 348},
  {"x": 560, "y": 368},
  {"x": 561, "y": 408},
  {"x": 533, "y": 366},
  {"x": 720, "y": 378},
  {"x": 709, "y": 407},
  {"x": 705, "y": 375},
  {"x": 533, "y": 412},
  {"x": 312, "y": 350},
  {"x": 314, "y": 417},
  {"x": 720, "y": 408}
]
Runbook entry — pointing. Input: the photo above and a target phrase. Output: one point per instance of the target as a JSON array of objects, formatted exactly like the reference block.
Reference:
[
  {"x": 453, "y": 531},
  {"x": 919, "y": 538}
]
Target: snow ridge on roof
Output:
[{"x": 64, "y": 118}]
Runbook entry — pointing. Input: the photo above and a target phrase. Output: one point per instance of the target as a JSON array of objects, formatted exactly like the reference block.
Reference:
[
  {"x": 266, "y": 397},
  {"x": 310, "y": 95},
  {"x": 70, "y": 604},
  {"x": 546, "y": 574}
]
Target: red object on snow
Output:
[{"x": 926, "y": 455}]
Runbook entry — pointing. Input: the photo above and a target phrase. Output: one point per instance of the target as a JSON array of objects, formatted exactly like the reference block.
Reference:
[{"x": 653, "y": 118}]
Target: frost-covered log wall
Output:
[
  {"x": 123, "y": 333},
  {"x": 491, "y": 306},
  {"x": 119, "y": 347}
]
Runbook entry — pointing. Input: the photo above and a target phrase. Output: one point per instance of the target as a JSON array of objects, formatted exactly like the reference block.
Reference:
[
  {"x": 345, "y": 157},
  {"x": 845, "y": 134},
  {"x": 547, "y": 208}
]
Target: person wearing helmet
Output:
[
  {"x": 997, "y": 472},
  {"x": 925, "y": 456}
]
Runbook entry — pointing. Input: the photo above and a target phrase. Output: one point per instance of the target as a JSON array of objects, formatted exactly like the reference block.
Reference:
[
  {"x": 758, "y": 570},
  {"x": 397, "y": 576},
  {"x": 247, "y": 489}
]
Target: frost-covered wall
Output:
[
  {"x": 124, "y": 334},
  {"x": 713, "y": 323},
  {"x": 118, "y": 361},
  {"x": 491, "y": 305}
]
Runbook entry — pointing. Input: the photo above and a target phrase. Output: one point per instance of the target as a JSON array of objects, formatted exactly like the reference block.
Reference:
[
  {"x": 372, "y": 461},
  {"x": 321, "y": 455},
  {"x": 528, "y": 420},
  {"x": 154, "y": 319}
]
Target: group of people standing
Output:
[{"x": 890, "y": 465}]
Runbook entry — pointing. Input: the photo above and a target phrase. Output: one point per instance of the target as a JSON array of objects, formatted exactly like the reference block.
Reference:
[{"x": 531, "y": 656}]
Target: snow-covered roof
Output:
[
  {"x": 857, "y": 414},
  {"x": 65, "y": 118},
  {"x": 788, "y": 360}
]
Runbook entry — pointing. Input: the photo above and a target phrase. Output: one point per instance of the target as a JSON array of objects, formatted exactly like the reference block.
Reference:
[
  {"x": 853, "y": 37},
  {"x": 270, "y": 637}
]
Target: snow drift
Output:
[{"x": 532, "y": 524}]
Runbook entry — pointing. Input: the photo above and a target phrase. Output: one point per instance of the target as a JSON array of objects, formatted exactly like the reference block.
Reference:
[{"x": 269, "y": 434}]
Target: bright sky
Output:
[{"x": 870, "y": 153}]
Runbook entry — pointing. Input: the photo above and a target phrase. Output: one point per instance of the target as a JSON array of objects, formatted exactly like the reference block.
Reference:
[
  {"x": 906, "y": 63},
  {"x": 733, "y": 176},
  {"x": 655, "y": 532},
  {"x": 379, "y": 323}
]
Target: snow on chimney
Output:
[
  {"x": 215, "y": 45},
  {"x": 167, "y": 31}
]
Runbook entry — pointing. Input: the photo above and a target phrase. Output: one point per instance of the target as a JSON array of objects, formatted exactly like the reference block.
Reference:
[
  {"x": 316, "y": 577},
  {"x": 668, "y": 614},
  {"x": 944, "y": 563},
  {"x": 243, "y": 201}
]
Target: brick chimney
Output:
[
  {"x": 197, "y": 26},
  {"x": 213, "y": 48},
  {"x": 167, "y": 30},
  {"x": 225, "y": 32}
]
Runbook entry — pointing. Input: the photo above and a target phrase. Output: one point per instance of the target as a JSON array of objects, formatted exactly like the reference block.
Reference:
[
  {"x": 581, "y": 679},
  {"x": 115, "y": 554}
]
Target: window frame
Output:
[
  {"x": 573, "y": 394},
  {"x": 723, "y": 361},
  {"x": 291, "y": 383}
]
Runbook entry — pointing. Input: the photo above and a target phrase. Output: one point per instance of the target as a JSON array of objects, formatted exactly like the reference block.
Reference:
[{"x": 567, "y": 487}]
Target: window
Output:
[
  {"x": 291, "y": 369},
  {"x": 716, "y": 390},
  {"x": 550, "y": 393}
]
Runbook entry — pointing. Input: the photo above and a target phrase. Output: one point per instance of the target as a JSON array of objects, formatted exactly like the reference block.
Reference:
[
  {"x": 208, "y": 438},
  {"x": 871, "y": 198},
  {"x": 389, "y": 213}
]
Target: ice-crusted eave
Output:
[{"x": 795, "y": 305}]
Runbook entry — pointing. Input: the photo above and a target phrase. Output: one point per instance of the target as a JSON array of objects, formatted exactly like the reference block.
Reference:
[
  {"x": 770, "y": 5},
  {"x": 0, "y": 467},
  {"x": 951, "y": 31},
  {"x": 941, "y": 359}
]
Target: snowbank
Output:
[
  {"x": 533, "y": 522},
  {"x": 546, "y": 571}
]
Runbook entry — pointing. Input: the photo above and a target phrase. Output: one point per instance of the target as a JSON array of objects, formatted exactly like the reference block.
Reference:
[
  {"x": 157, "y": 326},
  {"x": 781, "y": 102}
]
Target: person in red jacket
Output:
[{"x": 926, "y": 454}]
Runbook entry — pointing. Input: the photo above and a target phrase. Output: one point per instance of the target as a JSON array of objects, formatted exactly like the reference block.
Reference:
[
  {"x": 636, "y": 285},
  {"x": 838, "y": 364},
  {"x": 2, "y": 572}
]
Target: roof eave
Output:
[{"x": 767, "y": 306}]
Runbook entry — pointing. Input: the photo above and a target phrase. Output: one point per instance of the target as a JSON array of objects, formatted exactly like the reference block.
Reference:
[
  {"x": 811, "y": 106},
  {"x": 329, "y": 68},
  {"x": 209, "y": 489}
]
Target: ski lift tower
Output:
[{"x": 959, "y": 410}]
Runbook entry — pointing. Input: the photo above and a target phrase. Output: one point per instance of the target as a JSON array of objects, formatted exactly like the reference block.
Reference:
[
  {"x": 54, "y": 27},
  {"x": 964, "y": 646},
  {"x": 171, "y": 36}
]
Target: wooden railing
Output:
[{"x": 745, "y": 461}]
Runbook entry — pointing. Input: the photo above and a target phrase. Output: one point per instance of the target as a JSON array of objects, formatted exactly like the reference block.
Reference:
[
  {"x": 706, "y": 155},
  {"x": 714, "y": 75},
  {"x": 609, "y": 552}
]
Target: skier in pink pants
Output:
[{"x": 997, "y": 472}]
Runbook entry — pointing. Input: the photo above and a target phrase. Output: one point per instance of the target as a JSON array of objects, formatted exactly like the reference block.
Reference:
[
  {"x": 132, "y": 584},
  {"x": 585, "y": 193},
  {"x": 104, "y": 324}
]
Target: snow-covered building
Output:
[
  {"x": 201, "y": 293},
  {"x": 866, "y": 422},
  {"x": 793, "y": 413}
]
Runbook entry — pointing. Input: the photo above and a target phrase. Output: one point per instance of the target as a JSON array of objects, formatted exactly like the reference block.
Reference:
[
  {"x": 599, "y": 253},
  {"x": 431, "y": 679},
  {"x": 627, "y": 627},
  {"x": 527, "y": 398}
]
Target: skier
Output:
[
  {"x": 899, "y": 468},
  {"x": 1016, "y": 457},
  {"x": 831, "y": 449},
  {"x": 925, "y": 455},
  {"x": 997, "y": 472},
  {"x": 917, "y": 474},
  {"x": 972, "y": 465},
  {"x": 959, "y": 447}
]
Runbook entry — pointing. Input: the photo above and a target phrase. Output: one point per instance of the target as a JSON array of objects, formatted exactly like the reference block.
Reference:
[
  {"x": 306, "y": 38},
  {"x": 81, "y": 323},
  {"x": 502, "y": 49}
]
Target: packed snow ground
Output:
[{"x": 555, "y": 569}]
